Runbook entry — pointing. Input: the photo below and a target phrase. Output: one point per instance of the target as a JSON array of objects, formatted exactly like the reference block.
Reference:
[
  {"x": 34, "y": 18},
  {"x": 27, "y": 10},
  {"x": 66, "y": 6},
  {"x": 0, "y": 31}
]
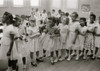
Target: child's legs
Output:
[
  {"x": 24, "y": 60},
  {"x": 33, "y": 56},
  {"x": 14, "y": 64},
  {"x": 59, "y": 53},
  {"x": 37, "y": 54},
  {"x": 96, "y": 50}
]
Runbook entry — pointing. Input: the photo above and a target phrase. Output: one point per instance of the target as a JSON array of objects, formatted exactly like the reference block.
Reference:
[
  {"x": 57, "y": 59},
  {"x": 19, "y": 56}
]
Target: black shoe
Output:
[
  {"x": 93, "y": 58},
  {"x": 52, "y": 63},
  {"x": 40, "y": 60},
  {"x": 34, "y": 64}
]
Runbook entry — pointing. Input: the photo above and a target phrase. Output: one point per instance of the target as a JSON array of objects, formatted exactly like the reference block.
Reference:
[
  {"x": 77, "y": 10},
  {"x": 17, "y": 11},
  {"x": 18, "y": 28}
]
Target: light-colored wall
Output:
[{"x": 46, "y": 4}]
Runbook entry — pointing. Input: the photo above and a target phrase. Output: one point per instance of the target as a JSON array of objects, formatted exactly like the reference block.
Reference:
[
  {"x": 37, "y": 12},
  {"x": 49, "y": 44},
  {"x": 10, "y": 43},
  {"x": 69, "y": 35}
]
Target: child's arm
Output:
[
  {"x": 35, "y": 35},
  {"x": 11, "y": 44},
  {"x": 76, "y": 35}
]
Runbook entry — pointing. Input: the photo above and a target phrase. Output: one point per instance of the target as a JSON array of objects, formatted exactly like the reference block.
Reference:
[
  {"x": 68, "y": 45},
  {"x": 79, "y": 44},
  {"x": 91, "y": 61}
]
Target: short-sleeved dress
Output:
[
  {"x": 64, "y": 33},
  {"x": 97, "y": 38},
  {"x": 33, "y": 43},
  {"x": 22, "y": 44},
  {"x": 81, "y": 37},
  {"x": 49, "y": 42},
  {"x": 5, "y": 43},
  {"x": 90, "y": 39},
  {"x": 72, "y": 35}
]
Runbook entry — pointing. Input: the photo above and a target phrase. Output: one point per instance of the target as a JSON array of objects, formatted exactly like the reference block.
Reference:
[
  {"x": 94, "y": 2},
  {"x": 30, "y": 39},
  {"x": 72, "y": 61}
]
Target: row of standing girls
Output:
[{"x": 59, "y": 38}]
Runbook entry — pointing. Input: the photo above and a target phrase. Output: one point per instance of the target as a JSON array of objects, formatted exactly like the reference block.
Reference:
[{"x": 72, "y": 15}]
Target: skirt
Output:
[
  {"x": 57, "y": 45},
  {"x": 23, "y": 49},
  {"x": 71, "y": 40},
  {"x": 33, "y": 44},
  {"x": 4, "y": 49},
  {"x": 90, "y": 41},
  {"x": 63, "y": 42},
  {"x": 79, "y": 45},
  {"x": 49, "y": 43}
]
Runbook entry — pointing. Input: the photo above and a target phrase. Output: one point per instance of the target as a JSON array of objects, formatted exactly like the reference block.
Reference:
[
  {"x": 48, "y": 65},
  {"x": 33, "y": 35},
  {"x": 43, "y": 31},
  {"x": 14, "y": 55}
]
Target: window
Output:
[
  {"x": 72, "y": 4},
  {"x": 1, "y": 2},
  {"x": 56, "y": 3},
  {"x": 34, "y": 2},
  {"x": 18, "y": 3}
]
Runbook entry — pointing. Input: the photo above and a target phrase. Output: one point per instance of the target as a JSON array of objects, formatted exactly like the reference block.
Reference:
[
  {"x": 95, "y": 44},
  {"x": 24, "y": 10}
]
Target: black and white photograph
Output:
[{"x": 49, "y": 35}]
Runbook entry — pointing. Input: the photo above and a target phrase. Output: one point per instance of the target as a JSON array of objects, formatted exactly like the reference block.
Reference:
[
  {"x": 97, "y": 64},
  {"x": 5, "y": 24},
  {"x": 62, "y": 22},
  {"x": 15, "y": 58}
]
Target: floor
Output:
[{"x": 73, "y": 65}]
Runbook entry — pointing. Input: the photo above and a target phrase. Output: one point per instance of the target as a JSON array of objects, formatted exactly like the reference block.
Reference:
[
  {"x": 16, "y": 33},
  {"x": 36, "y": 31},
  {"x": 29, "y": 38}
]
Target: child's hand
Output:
[{"x": 8, "y": 53}]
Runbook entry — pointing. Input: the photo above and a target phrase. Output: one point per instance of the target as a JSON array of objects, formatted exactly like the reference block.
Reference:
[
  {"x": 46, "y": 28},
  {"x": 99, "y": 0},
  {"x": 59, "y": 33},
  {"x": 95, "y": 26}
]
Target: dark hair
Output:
[
  {"x": 84, "y": 19},
  {"x": 53, "y": 10},
  {"x": 76, "y": 14},
  {"x": 93, "y": 15},
  {"x": 59, "y": 10},
  {"x": 52, "y": 20},
  {"x": 67, "y": 14},
  {"x": 8, "y": 18},
  {"x": 17, "y": 17}
]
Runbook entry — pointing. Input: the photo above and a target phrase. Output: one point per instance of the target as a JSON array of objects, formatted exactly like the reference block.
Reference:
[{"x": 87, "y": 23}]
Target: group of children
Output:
[{"x": 58, "y": 36}]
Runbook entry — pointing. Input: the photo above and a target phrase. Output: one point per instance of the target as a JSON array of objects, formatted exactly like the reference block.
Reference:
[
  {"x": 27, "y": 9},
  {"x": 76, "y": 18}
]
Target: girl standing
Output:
[
  {"x": 89, "y": 43},
  {"x": 8, "y": 46},
  {"x": 82, "y": 30},
  {"x": 33, "y": 42},
  {"x": 72, "y": 35},
  {"x": 64, "y": 35}
]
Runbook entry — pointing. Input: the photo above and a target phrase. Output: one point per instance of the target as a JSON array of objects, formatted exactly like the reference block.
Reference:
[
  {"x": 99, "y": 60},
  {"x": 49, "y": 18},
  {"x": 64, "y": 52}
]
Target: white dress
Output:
[
  {"x": 49, "y": 43},
  {"x": 64, "y": 33},
  {"x": 33, "y": 42},
  {"x": 22, "y": 44},
  {"x": 81, "y": 37},
  {"x": 72, "y": 35},
  {"x": 97, "y": 38},
  {"x": 5, "y": 43}
]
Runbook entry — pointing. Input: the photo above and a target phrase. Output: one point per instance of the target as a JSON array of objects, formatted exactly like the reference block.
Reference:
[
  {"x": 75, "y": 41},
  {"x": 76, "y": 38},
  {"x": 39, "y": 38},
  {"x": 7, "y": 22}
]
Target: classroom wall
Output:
[{"x": 47, "y": 4}]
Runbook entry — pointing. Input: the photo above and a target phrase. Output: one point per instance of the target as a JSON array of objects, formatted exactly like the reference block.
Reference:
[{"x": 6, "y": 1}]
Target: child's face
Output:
[
  {"x": 49, "y": 23},
  {"x": 73, "y": 17},
  {"x": 82, "y": 22},
  {"x": 4, "y": 18},
  {"x": 65, "y": 21},
  {"x": 92, "y": 19},
  {"x": 18, "y": 22}
]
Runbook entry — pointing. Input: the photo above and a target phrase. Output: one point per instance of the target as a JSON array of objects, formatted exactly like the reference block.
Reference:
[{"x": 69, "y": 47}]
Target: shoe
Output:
[
  {"x": 24, "y": 68},
  {"x": 69, "y": 58},
  {"x": 84, "y": 57},
  {"x": 77, "y": 58},
  {"x": 33, "y": 64},
  {"x": 61, "y": 59},
  {"x": 93, "y": 58},
  {"x": 73, "y": 54},
  {"x": 40, "y": 60},
  {"x": 52, "y": 62},
  {"x": 56, "y": 60}
]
